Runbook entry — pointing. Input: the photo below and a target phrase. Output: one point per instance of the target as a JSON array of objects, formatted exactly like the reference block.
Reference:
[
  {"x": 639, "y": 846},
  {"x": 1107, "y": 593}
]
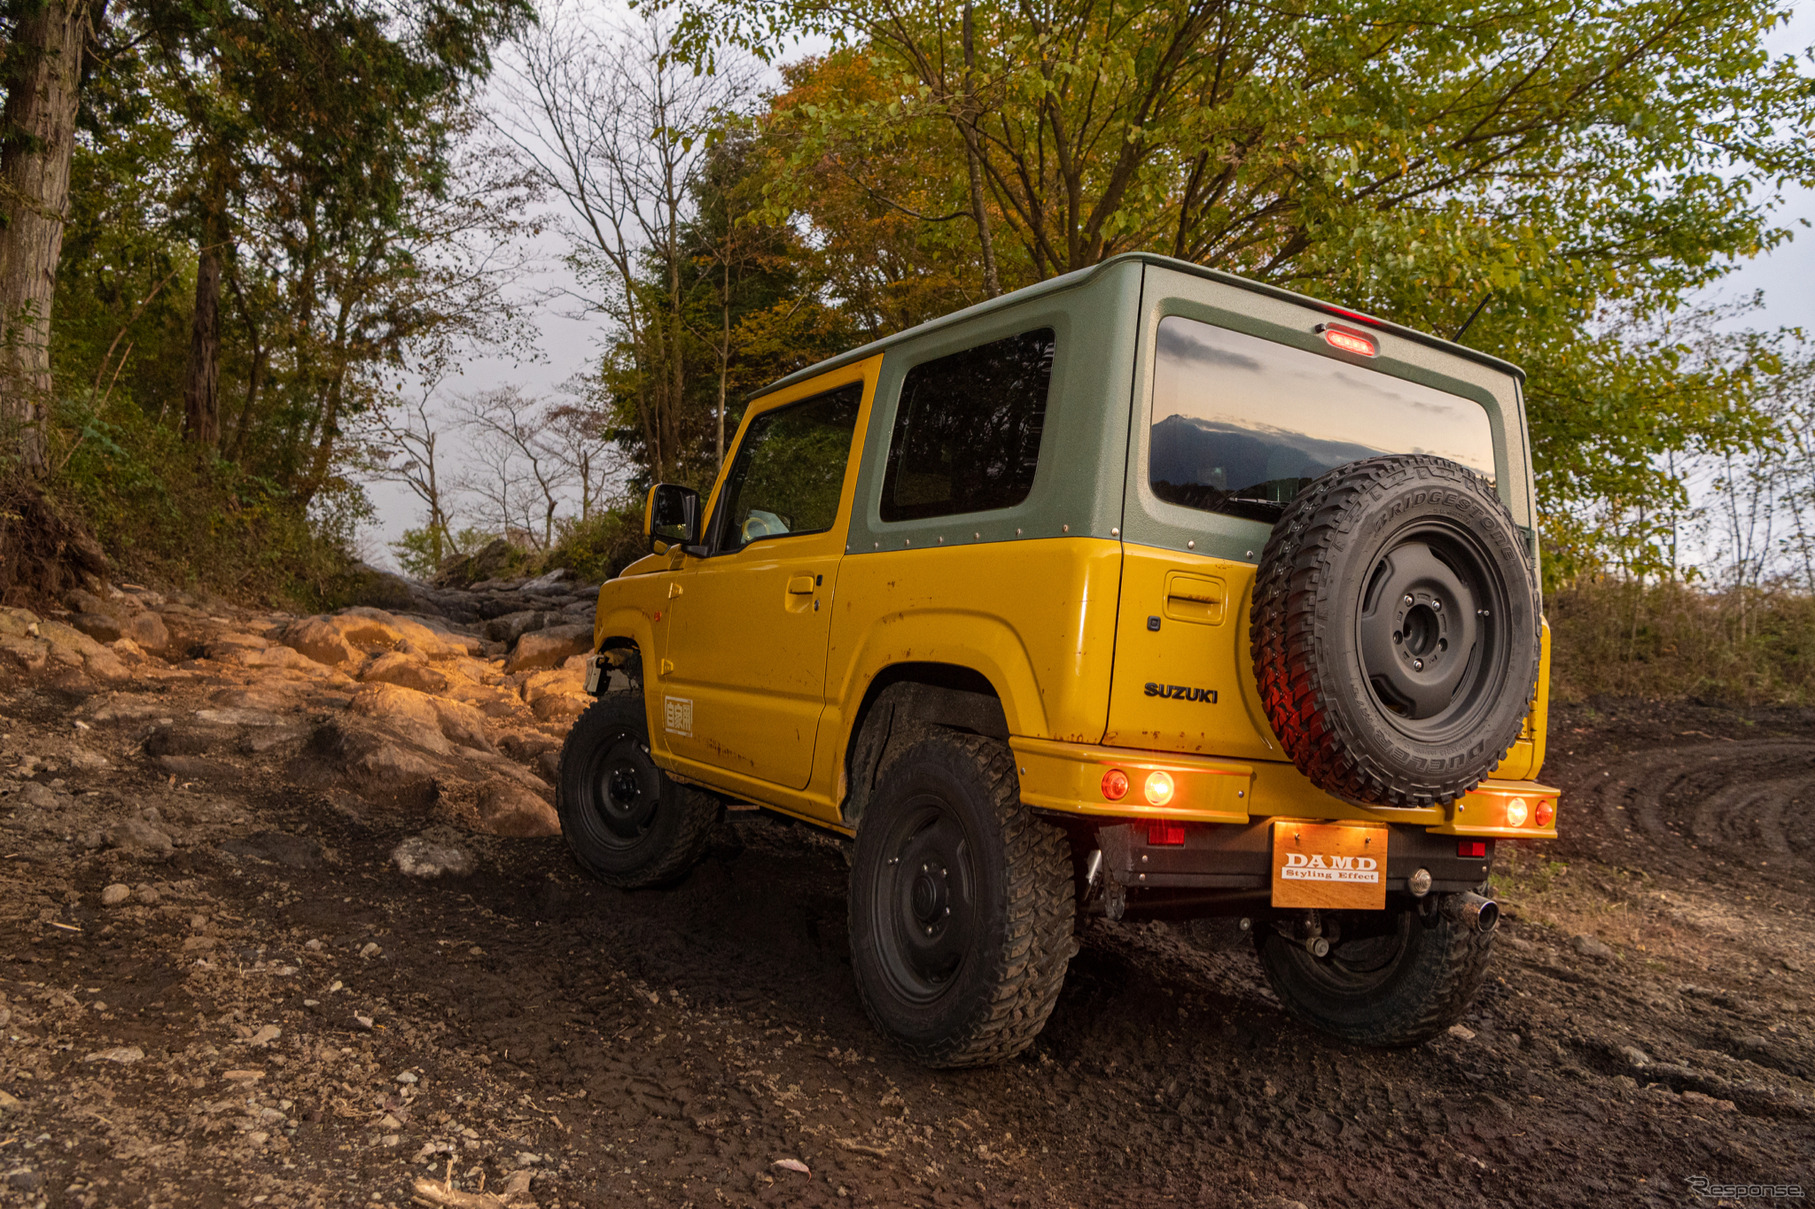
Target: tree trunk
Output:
[
  {"x": 972, "y": 154},
  {"x": 201, "y": 383},
  {"x": 37, "y": 138}
]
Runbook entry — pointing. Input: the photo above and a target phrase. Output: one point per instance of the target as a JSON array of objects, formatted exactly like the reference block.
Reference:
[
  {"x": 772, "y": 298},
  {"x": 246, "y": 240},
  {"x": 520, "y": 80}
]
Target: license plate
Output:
[{"x": 1341, "y": 866}]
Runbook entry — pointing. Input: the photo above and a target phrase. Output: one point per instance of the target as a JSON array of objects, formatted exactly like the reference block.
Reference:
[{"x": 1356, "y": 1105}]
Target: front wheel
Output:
[
  {"x": 962, "y": 905},
  {"x": 627, "y": 822},
  {"x": 1391, "y": 978}
]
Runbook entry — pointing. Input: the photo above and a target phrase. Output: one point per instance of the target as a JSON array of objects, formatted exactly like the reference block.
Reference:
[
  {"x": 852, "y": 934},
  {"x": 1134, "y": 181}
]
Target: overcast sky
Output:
[{"x": 568, "y": 345}]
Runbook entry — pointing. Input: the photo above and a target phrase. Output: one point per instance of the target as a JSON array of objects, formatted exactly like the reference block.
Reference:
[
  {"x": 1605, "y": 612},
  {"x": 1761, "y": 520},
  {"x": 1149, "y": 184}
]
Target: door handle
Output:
[{"x": 800, "y": 585}]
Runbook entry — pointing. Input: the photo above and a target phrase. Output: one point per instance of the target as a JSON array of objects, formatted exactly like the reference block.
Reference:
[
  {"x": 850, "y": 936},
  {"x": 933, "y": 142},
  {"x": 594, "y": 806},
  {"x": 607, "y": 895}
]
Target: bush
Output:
[
  {"x": 597, "y": 548},
  {"x": 181, "y": 517},
  {"x": 1623, "y": 638}
]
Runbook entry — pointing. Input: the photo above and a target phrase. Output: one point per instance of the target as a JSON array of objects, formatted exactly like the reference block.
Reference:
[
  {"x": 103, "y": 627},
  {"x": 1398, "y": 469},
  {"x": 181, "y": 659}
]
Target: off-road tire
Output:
[
  {"x": 1426, "y": 987},
  {"x": 953, "y": 798},
  {"x": 632, "y": 841},
  {"x": 1317, "y": 632}
]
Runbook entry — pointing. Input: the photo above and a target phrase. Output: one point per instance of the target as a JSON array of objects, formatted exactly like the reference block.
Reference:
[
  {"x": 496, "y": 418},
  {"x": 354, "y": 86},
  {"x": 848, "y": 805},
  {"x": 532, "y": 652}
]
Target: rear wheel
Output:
[
  {"x": 962, "y": 907},
  {"x": 1390, "y": 978},
  {"x": 626, "y": 821}
]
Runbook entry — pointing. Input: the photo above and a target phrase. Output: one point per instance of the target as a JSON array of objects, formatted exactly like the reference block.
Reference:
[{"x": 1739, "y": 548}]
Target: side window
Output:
[
  {"x": 790, "y": 469},
  {"x": 967, "y": 433}
]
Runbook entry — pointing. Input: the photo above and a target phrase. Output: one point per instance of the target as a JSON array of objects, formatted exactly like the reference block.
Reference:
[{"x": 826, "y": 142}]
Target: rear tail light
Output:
[
  {"x": 1159, "y": 788},
  {"x": 1115, "y": 784},
  {"x": 1474, "y": 848},
  {"x": 1517, "y": 812},
  {"x": 1546, "y": 812},
  {"x": 1162, "y": 833}
]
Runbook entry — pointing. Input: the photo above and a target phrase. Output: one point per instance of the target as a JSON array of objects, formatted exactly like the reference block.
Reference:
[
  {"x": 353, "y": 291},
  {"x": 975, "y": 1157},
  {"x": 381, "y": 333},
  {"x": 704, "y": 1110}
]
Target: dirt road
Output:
[{"x": 274, "y": 1013}]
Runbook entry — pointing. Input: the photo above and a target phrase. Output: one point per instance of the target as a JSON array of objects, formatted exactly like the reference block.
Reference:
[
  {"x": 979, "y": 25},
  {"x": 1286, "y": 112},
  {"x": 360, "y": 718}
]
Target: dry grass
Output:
[{"x": 1620, "y": 638}]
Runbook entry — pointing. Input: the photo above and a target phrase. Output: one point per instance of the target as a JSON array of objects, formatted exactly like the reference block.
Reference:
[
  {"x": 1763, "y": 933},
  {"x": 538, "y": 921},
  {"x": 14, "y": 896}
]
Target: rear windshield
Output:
[{"x": 1242, "y": 424}]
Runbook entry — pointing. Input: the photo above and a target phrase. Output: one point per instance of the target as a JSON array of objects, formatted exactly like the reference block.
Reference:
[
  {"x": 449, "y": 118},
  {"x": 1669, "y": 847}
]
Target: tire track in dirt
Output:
[{"x": 1686, "y": 809}]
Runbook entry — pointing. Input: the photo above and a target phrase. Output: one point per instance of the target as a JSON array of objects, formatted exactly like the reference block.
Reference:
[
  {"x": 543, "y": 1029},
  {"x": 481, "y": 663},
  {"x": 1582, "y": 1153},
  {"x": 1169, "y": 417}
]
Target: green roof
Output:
[{"x": 1083, "y": 277}]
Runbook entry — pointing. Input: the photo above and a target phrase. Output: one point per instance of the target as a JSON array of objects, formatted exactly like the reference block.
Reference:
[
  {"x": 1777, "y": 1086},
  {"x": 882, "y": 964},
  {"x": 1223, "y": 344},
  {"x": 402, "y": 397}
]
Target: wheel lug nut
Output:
[
  {"x": 1408, "y": 598},
  {"x": 1436, "y": 606},
  {"x": 1417, "y": 665}
]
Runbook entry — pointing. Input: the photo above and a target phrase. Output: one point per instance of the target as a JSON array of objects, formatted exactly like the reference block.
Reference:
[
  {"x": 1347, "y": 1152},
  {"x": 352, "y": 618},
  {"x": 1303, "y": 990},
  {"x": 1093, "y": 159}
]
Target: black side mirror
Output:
[{"x": 671, "y": 516}]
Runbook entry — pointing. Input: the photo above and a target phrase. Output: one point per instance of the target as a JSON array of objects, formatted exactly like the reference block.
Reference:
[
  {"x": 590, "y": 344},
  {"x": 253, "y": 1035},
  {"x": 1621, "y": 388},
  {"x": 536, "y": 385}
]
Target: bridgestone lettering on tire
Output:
[
  {"x": 625, "y": 820},
  {"x": 962, "y": 909},
  {"x": 1395, "y": 631}
]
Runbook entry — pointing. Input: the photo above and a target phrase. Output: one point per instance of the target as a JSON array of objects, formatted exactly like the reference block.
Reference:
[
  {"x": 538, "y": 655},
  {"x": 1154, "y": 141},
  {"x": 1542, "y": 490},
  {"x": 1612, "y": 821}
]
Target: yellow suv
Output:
[{"x": 1146, "y": 591}]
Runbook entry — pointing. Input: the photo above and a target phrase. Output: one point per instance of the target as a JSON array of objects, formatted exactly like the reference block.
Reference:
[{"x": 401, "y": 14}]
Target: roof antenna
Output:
[{"x": 1457, "y": 338}]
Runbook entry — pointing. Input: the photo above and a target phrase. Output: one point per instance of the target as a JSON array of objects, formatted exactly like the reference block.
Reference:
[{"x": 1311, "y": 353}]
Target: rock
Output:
[
  {"x": 506, "y": 808},
  {"x": 425, "y": 856},
  {"x": 31, "y": 793},
  {"x": 278, "y": 847},
  {"x": 101, "y": 627},
  {"x": 27, "y": 653},
  {"x": 404, "y": 671},
  {"x": 148, "y": 631},
  {"x": 513, "y": 626},
  {"x": 429, "y": 722},
  {"x": 1588, "y": 946},
  {"x": 323, "y": 643},
  {"x": 24, "y": 1179},
  {"x": 494, "y": 558},
  {"x": 146, "y": 893},
  {"x": 137, "y": 833},
  {"x": 549, "y": 647},
  {"x": 526, "y": 745},
  {"x": 116, "y": 894},
  {"x": 552, "y": 582},
  {"x": 188, "y": 739},
  {"x": 371, "y": 948},
  {"x": 125, "y": 1055},
  {"x": 560, "y": 707},
  {"x": 1461, "y": 1032},
  {"x": 89, "y": 761},
  {"x": 69, "y": 638},
  {"x": 242, "y": 1076},
  {"x": 1634, "y": 1055},
  {"x": 376, "y": 628},
  {"x": 265, "y": 1036},
  {"x": 9, "y": 1103},
  {"x": 376, "y": 768}
]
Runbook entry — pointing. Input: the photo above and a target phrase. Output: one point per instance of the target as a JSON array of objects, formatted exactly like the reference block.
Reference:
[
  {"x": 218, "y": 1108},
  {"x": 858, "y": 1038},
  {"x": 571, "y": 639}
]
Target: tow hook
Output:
[{"x": 1470, "y": 909}]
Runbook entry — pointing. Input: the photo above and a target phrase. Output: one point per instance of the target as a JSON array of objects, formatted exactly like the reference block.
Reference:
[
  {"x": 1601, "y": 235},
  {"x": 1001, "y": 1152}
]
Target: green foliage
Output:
[
  {"x": 597, "y": 548},
  {"x": 1622, "y": 638},
  {"x": 1559, "y": 177},
  {"x": 170, "y": 514}
]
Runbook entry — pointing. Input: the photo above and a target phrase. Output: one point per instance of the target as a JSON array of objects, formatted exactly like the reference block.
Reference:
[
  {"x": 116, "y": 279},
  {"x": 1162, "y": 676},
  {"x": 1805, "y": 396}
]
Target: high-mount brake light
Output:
[
  {"x": 1115, "y": 785},
  {"x": 1164, "y": 833},
  {"x": 1348, "y": 342},
  {"x": 1159, "y": 788}
]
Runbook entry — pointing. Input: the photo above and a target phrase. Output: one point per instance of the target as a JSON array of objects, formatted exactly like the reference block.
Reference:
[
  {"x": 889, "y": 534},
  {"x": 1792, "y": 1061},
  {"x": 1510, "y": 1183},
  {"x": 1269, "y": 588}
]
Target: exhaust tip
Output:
[{"x": 1477, "y": 913}]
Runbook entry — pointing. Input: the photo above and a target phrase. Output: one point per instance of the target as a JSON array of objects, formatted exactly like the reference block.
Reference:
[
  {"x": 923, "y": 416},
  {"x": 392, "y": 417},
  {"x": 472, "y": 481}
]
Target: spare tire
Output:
[{"x": 1395, "y": 631}]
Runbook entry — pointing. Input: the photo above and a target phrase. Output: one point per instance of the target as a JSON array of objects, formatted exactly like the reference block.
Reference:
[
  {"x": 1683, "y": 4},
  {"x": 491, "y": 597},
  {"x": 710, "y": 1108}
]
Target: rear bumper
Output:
[
  {"x": 1238, "y": 857},
  {"x": 1068, "y": 778}
]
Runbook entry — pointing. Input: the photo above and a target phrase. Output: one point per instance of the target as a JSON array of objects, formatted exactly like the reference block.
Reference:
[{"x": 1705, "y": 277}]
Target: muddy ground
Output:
[{"x": 277, "y": 1015}]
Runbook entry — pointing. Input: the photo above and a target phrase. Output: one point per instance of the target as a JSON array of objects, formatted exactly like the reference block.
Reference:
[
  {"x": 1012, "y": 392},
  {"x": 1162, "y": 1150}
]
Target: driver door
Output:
[{"x": 751, "y": 620}]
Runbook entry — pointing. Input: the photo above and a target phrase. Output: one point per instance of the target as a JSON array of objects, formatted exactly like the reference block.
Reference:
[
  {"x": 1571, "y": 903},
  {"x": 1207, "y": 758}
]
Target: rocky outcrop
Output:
[{"x": 454, "y": 707}]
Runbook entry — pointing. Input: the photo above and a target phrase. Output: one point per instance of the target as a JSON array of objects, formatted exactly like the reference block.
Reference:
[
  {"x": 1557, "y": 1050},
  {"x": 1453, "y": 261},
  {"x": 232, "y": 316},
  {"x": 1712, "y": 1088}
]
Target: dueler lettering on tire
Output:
[{"x": 1395, "y": 631}]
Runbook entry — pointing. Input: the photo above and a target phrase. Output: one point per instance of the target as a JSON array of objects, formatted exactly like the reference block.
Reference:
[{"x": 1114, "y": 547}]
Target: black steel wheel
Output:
[
  {"x": 1395, "y": 631},
  {"x": 962, "y": 905},
  {"x": 626, "y": 821},
  {"x": 1390, "y": 978}
]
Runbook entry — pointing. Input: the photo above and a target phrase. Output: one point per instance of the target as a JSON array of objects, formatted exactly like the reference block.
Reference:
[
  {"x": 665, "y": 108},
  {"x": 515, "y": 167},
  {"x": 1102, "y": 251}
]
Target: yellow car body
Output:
[{"x": 758, "y": 665}]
